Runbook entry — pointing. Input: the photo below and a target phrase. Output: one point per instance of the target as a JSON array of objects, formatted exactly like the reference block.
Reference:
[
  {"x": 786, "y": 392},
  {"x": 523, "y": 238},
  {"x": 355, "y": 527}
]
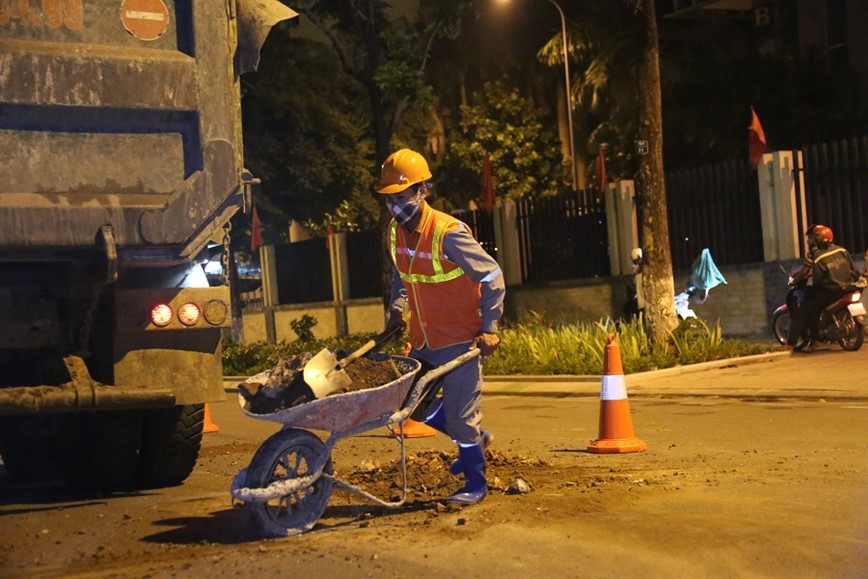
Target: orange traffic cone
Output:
[
  {"x": 616, "y": 426},
  {"x": 413, "y": 429},
  {"x": 209, "y": 426}
]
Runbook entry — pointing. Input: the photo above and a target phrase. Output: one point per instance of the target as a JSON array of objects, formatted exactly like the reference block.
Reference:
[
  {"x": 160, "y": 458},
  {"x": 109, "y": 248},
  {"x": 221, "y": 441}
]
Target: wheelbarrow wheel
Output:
[{"x": 289, "y": 454}]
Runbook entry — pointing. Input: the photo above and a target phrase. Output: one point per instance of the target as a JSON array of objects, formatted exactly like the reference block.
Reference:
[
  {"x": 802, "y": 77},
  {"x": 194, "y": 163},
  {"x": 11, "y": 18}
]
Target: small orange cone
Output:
[
  {"x": 209, "y": 426},
  {"x": 413, "y": 429},
  {"x": 616, "y": 426}
]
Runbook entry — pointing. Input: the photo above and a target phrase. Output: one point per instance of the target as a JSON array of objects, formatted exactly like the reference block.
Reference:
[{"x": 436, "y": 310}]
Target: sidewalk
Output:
[
  {"x": 829, "y": 373},
  {"x": 826, "y": 374}
]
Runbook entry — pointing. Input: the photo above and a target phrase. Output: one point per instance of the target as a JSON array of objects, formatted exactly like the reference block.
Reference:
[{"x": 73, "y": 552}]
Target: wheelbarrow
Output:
[{"x": 288, "y": 483}]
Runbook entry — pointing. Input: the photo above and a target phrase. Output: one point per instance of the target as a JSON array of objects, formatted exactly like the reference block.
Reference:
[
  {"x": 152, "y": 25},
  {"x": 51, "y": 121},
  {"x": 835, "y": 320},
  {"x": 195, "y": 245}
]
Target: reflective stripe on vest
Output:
[
  {"x": 439, "y": 276},
  {"x": 828, "y": 254}
]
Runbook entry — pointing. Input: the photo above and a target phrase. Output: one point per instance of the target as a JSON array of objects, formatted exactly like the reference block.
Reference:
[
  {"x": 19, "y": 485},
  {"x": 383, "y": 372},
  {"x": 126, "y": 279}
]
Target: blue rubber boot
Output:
[
  {"x": 475, "y": 487},
  {"x": 455, "y": 468}
]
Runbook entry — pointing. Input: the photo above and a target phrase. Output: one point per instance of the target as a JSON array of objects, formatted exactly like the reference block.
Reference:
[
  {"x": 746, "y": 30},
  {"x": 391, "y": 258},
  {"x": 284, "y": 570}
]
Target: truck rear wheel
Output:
[
  {"x": 28, "y": 448},
  {"x": 171, "y": 438},
  {"x": 102, "y": 449}
]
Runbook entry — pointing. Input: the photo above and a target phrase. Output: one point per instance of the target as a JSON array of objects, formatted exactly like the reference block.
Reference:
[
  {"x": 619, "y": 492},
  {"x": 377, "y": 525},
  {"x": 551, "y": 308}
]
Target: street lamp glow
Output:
[{"x": 569, "y": 103}]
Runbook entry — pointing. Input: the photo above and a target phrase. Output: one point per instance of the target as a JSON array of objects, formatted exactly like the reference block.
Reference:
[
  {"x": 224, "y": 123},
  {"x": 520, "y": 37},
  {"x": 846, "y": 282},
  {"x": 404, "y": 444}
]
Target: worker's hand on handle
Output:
[
  {"x": 396, "y": 320},
  {"x": 487, "y": 343}
]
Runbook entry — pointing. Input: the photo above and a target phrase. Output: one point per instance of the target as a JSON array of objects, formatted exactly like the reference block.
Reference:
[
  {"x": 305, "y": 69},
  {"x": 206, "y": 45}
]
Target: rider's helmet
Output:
[
  {"x": 401, "y": 170},
  {"x": 819, "y": 235}
]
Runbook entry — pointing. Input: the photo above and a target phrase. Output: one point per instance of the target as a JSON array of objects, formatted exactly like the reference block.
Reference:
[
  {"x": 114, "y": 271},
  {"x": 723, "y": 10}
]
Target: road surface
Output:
[{"x": 752, "y": 470}]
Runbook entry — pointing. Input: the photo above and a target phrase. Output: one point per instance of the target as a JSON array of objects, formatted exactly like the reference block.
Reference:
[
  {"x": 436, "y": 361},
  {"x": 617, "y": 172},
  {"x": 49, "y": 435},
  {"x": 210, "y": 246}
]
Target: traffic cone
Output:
[
  {"x": 616, "y": 426},
  {"x": 412, "y": 428},
  {"x": 209, "y": 426}
]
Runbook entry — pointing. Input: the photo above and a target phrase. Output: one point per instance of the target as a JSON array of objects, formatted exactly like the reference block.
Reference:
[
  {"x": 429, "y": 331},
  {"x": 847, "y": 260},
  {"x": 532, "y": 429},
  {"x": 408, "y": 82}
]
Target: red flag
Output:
[
  {"x": 329, "y": 233},
  {"x": 487, "y": 185},
  {"x": 601, "y": 168},
  {"x": 255, "y": 232},
  {"x": 756, "y": 139}
]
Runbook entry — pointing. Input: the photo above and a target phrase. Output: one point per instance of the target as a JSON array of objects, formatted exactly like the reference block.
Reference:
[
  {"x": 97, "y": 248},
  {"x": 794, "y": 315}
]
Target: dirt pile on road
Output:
[
  {"x": 428, "y": 476},
  {"x": 284, "y": 385}
]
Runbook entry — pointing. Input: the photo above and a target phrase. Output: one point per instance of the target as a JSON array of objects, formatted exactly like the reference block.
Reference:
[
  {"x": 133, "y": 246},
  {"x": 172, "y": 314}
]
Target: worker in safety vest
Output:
[{"x": 454, "y": 293}]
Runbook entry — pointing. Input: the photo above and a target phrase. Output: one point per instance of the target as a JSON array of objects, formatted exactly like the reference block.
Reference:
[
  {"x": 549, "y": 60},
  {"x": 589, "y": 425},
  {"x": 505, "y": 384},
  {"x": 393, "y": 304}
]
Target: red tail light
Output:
[
  {"x": 189, "y": 314},
  {"x": 161, "y": 315}
]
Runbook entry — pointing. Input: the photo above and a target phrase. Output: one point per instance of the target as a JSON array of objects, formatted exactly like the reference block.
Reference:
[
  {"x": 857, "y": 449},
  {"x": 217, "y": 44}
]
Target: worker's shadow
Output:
[{"x": 234, "y": 525}]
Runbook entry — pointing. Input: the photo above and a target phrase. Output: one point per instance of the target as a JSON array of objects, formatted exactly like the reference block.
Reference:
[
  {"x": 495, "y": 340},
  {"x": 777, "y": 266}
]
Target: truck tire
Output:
[
  {"x": 101, "y": 449},
  {"x": 28, "y": 448},
  {"x": 171, "y": 438}
]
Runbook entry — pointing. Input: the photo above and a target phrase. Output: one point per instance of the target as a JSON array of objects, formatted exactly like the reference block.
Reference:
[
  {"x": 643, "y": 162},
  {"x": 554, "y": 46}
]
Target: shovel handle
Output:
[{"x": 375, "y": 342}]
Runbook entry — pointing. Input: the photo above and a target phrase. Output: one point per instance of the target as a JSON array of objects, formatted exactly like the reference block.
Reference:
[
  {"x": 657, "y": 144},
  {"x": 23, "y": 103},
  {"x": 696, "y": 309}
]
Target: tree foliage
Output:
[
  {"x": 603, "y": 62},
  {"x": 525, "y": 154},
  {"x": 385, "y": 52},
  {"x": 305, "y": 139}
]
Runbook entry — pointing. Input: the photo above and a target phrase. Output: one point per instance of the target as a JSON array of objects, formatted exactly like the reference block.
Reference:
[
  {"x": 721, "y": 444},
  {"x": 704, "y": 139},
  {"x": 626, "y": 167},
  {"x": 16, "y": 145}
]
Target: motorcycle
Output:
[{"x": 842, "y": 321}]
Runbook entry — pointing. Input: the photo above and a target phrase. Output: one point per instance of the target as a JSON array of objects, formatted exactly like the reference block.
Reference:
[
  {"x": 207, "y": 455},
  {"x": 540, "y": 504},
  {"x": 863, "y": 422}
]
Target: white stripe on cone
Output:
[{"x": 614, "y": 387}]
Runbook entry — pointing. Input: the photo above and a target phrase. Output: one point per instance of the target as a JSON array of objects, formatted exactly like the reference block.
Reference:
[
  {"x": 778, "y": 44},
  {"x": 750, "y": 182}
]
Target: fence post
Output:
[
  {"x": 621, "y": 223},
  {"x": 340, "y": 280},
  {"x": 269, "y": 289},
  {"x": 506, "y": 239},
  {"x": 782, "y": 205}
]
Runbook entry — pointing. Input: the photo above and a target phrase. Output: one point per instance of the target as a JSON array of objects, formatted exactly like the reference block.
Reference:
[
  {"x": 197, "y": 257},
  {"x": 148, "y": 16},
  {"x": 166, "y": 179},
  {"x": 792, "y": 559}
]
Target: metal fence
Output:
[
  {"x": 559, "y": 237},
  {"x": 836, "y": 186},
  {"x": 303, "y": 272},
  {"x": 365, "y": 259},
  {"x": 564, "y": 237},
  {"x": 715, "y": 207}
]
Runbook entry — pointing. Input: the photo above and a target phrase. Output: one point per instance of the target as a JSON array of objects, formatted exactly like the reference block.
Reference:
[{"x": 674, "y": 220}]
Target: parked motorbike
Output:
[{"x": 842, "y": 322}]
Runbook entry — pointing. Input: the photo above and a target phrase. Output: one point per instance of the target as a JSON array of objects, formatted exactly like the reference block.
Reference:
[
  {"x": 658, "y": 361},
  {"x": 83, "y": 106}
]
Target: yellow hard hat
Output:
[{"x": 402, "y": 169}]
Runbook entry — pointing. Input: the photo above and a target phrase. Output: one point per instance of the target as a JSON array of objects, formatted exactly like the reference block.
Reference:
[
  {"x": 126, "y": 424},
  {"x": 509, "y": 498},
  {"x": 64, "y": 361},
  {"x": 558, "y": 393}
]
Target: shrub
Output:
[{"x": 535, "y": 347}]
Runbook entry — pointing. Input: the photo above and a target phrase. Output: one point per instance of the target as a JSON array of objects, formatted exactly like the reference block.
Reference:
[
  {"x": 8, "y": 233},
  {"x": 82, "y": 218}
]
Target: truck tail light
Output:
[
  {"x": 189, "y": 314},
  {"x": 161, "y": 315}
]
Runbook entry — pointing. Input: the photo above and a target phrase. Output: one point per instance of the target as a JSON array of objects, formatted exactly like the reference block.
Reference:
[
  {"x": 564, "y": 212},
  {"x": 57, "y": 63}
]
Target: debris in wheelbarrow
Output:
[
  {"x": 284, "y": 386},
  {"x": 325, "y": 374}
]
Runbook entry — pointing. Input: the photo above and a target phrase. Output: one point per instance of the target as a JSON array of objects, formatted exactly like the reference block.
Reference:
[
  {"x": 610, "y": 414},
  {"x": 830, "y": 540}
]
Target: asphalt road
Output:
[{"x": 754, "y": 468}]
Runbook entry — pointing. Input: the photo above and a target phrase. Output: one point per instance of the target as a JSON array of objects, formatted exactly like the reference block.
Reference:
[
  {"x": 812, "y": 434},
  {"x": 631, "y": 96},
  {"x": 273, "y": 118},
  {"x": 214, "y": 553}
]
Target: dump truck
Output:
[{"x": 121, "y": 165}]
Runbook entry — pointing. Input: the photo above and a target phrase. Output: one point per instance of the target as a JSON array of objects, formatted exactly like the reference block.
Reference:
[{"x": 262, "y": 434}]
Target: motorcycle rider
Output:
[
  {"x": 454, "y": 291},
  {"x": 833, "y": 273}
]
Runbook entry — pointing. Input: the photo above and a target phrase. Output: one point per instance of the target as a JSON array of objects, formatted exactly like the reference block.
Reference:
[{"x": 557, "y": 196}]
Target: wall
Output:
[
  {"x": 743, "y": 306},
  {"x": 362, "y": 317}
]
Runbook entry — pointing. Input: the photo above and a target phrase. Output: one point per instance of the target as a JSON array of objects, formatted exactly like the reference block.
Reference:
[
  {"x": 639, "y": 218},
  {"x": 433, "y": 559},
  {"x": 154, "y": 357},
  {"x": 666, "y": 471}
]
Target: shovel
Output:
[{"x": 325, "y": 374}]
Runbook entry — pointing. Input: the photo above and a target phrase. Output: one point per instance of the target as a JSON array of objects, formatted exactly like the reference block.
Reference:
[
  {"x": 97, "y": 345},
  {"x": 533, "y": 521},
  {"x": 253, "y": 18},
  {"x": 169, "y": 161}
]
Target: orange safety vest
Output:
[{"x": 443, "y": 300}]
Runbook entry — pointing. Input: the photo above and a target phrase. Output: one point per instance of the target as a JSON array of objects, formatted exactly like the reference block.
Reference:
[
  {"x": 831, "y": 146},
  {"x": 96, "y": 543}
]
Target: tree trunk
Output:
[{"x": 659, "y": 287}]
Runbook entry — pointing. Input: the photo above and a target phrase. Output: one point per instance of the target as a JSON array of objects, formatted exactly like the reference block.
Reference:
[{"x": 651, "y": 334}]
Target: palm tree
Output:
[
  {"x": 614, "y": 54},
  {"x": 603, "y": 47}
]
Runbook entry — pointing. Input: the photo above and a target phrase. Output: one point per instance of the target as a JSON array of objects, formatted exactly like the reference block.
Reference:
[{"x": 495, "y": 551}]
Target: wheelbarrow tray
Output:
[{"x": 349, "y": 410}]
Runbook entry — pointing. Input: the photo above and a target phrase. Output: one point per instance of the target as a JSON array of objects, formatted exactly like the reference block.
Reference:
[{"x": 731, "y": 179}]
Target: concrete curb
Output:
[
  {"x": 675, "y": 370},
  {"x": 571, "y": 378}
]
